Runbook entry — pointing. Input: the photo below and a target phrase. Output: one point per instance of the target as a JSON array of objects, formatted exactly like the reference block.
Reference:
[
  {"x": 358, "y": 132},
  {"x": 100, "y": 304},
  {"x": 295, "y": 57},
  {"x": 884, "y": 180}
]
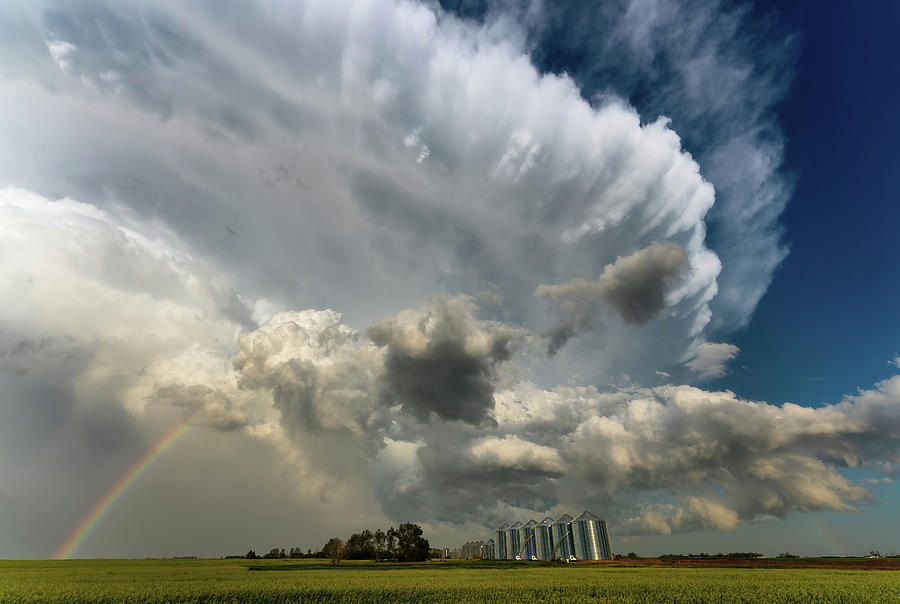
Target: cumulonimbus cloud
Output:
[
  {"x": 305, "y": 379},
  {"x": 313, "y": 147},
  {"x": 366, "y": 155}
]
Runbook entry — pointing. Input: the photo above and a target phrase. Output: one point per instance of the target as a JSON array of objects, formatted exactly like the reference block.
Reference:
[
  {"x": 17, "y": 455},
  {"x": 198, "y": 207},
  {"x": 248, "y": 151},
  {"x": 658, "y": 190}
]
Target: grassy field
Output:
[{"x": 210, "y": 581}]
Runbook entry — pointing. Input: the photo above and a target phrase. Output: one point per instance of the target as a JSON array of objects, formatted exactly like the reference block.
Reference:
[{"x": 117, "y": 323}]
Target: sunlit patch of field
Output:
[{"x": 214, "y": 581}]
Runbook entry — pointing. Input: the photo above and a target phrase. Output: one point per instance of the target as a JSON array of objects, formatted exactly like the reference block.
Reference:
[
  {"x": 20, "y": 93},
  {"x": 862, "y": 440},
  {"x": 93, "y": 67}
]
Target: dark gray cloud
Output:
[
  {"x": 442, "y": 361},
  {"x": 635, "y": 286},
  {"x": 462, "y": 477}
]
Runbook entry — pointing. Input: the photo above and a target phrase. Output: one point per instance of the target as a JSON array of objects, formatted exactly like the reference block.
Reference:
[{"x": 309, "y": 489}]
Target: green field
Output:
[{"x": 73, "y": 581}]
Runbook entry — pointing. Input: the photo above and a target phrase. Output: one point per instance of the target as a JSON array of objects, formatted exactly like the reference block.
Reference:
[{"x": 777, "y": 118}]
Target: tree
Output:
[
  {"x": 361, "y": 546},
  {"x": 411, "y": 546},
  {"x": 379, "y": 539},
  {"x": 391, "y": 543},
  {"x": 334, "y": 549},
  {"x": 251, "y": 555},
  {"x": 275, "y": 553}
]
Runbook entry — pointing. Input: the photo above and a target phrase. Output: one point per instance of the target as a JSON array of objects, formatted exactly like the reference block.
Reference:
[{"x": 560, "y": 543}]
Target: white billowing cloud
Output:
[
  {"x": 320, "y": 379},
  {"x": 719, "y": 72},
  {"x": 895, "y": 362},
  {"x": 143, "y": 311},
  {"x": 664, "y": 459},
  {"x": 511, "y": 452},
  {"x": 723, "y": 78},
  {"x": 385, "y": 142},
  {"x": 718, "y": 459},
  {"x": 709, "y": 359},
  {"x": 722, "y": 460}
]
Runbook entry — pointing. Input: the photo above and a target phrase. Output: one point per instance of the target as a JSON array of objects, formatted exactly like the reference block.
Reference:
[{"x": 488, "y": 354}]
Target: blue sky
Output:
[
  {"x": 460, "y": 265},
  {"x": 829, "y": 311}
]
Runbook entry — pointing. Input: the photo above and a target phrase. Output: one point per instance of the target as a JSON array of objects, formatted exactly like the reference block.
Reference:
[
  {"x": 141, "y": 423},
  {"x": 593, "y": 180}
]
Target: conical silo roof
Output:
[
  {"x": 529, "y": 524},
  {"x": 564, "y": 519},
  {"x": 588, "y": 516}
]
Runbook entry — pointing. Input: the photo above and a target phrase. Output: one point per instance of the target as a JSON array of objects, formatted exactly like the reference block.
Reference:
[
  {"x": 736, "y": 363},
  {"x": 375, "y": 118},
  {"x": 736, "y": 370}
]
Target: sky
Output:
[{"x": 274, "y": 272}]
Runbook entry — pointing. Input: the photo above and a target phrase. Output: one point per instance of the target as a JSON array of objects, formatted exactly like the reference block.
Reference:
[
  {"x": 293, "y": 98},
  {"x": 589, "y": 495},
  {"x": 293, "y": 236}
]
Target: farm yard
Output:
[{"x": 239, "y": 580}]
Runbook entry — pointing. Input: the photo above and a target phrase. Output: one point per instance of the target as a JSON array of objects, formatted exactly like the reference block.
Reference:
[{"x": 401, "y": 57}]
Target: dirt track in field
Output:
[{"x": 830, "y": 563}]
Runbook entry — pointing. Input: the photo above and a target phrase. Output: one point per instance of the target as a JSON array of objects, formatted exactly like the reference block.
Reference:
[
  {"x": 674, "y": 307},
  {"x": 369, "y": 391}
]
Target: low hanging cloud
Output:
[
  {"x": 511, "y": 452},
  {"x": 720, "y": 459},
  {"x": 442, "y": 360},
  {"x": 716, "y": 460},
  {"x": 653, "y": 460},
  {"x": 634, "y": 286},
  {"x": 709, "y": 359},
  {"x": 317, "y": 373},
  {"x": 439, "y": 362}
]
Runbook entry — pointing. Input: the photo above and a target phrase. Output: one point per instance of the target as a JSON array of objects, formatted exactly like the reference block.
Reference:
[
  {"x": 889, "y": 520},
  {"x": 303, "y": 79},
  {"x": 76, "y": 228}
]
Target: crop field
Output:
[{"x": 213, "y": 581}]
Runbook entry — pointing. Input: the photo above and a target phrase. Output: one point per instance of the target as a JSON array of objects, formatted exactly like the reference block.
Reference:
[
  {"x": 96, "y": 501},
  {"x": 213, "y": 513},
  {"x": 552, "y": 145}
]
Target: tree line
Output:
[
  {"x": 402, "y": 544},
  {"x": 736, "y": 555}
]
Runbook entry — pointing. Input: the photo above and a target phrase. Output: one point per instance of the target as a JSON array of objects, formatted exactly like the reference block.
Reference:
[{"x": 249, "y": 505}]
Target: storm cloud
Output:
[
  {"x": 442, "y": 361},
  {"x": 634, "y": 286},
  {"x": 328, "y": 232}
]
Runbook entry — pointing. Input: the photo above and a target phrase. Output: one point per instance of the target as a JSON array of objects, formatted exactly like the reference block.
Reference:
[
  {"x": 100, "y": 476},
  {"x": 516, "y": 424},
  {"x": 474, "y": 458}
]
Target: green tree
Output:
[
  {"x": 411, "y": 545},
  {"x": 379, "y": 540},
  {"x": 391, "y": 539},
  {"x": 361, "y": 546}
]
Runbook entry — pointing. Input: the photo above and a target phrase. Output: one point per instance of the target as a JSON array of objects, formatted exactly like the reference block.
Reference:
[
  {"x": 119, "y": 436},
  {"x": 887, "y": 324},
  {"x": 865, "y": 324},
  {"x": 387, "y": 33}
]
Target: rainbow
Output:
[
  {"x": 834, "y": 546},
  {"x": 98, "y": 512}
]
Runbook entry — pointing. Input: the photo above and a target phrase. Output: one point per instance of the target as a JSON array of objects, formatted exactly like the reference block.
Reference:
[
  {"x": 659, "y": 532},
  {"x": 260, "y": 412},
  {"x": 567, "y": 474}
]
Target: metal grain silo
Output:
[
  {"x": 526, "y": 540},
  {"x": 543, "y": 539},
  {"x": 563, "y": 546},
  {"x": 590, "y": 538},
  {"x": 513, "y": 541},
  {"x": 500, "y": 542}
]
